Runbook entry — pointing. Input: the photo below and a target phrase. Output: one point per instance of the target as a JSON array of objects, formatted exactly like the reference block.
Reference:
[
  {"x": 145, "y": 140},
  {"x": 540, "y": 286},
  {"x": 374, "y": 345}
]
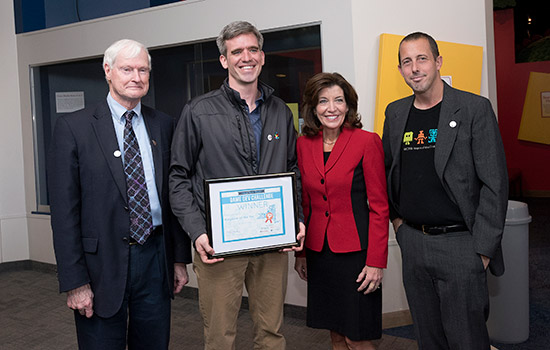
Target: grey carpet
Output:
[{"x": 34, "y": 316}]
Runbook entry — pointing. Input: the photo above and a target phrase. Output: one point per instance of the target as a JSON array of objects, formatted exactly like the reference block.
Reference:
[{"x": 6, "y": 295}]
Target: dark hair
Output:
[
  {"x": 416, "y": 36},
  {"x": 318, "y": 82},
  {"x": 235, "y": 29}
]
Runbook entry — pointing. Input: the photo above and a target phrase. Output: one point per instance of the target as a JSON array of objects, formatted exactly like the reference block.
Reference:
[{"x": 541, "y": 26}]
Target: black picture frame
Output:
[{"x": 251, "y": 214}]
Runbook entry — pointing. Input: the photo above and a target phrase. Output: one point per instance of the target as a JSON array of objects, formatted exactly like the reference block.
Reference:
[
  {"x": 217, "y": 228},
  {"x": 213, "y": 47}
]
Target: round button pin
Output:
[
  {"x": 117, "y": 153},
  {"x": 452, "y": 124},
  {"x": 269, "y": 137}
]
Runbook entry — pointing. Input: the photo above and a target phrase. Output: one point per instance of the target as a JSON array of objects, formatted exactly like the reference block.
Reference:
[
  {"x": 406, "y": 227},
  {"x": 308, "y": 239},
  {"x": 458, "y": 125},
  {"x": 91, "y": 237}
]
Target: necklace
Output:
[{"x": 329, "y": 142}]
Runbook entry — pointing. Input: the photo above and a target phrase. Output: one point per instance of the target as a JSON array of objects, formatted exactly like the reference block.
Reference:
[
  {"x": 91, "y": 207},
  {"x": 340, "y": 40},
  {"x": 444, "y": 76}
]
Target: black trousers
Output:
[
  {"x": 143, "y": 320},
  {"x": 446, "y": 287}
]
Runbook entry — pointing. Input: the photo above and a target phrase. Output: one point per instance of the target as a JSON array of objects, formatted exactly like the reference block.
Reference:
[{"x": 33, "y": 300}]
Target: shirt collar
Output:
[
  {"x": 241, "y": 101},
  {"x": 117, "y": 110}
]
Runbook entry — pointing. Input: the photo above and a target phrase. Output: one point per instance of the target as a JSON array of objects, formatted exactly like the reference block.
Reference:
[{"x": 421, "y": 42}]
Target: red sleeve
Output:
[{"x": 375, "y": 181}]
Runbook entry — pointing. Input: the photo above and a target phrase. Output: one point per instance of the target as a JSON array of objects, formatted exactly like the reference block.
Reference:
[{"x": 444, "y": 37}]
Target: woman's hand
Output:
[
  {"x": 371, "y": 277},
  {"x": 300, "y": 265}
]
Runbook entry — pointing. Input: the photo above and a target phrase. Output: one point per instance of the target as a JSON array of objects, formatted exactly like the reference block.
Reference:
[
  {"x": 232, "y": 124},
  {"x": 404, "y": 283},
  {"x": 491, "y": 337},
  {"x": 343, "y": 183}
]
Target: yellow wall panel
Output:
[
  {"x": 535, "y": 127},
  {"x": 294, "y": 109}
]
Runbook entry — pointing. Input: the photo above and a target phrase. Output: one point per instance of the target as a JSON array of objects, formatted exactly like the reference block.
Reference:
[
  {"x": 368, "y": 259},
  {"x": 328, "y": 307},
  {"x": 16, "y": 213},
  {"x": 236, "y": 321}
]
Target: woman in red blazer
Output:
[{"x": 346, "y": 211}]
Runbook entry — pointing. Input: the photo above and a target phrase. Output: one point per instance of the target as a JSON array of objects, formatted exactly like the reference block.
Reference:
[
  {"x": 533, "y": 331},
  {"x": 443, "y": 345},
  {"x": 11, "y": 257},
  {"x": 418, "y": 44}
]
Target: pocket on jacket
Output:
[{"x": 89, "y": 245}]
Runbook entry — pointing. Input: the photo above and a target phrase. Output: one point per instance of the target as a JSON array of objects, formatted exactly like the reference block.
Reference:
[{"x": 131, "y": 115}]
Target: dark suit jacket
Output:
[
  {"x": 469, "y": 161},
  {"x": 327, "y": 195},
  {"x": 88, "y": 202}
]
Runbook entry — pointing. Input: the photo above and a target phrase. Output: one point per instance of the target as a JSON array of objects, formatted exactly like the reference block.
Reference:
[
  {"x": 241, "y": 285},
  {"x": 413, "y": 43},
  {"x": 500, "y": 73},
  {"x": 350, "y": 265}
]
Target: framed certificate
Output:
[{"x": 251, "y": 213}]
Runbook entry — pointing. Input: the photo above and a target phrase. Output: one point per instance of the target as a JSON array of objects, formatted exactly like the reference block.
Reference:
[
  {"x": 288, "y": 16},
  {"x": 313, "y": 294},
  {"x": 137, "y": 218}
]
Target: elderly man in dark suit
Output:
[
  {"x": 121, "y": 254},
  {"x": 448, "y": 189}
]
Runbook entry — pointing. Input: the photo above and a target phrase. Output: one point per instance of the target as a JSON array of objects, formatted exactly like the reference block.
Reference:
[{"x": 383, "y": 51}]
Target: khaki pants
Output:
[{"x": 220, "y": 295}]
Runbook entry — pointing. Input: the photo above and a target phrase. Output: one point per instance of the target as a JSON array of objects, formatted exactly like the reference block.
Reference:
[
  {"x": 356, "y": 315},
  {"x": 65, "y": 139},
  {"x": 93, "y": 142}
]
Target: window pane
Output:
[{"x": 179, "y": 74}]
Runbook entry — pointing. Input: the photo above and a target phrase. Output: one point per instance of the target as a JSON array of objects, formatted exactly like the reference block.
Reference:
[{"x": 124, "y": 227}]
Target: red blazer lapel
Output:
[
  {"x": 316, "y": 152},
  {"x": 339, "y": 147}
]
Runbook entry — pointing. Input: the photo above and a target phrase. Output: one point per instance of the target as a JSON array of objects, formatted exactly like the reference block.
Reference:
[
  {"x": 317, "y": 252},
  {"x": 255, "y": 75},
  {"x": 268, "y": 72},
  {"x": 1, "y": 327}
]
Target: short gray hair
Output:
[
  {"x": 234, "y": 29},
  {"x": 133, "y": 48}
]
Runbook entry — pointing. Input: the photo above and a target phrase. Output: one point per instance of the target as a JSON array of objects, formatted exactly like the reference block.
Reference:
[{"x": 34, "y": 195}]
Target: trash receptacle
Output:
[{"x": 509, "y": 294}]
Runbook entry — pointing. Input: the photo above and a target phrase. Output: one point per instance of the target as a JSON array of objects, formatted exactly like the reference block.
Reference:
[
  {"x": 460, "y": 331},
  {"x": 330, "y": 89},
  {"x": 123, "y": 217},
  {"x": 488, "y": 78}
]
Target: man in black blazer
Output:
[
  {"x": 121, "y": 254},
  {"x": 448, "y": 191}
]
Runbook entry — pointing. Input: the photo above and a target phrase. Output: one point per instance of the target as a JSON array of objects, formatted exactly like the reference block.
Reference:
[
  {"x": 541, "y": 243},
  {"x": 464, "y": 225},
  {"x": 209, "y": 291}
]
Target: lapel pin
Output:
[
  {"x": 154, "y": 142},
  {"x": 452, "y": 124},
  {"x": 269, "y": 137},
  {"x": 117, "y": 153}
]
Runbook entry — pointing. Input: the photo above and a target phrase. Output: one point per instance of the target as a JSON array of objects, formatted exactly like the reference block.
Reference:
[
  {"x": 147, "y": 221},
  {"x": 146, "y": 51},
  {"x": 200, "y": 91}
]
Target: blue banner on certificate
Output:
[{"x": 251, "y": 213}]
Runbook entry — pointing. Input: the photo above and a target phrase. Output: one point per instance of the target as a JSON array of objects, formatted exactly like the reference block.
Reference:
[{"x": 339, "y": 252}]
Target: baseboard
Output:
[
  {"x": 389, "y": 319},
  {"x": 396, "y": 319},
  {"x": 536, "y": 193},
  {"x": 28, "y": 265}
]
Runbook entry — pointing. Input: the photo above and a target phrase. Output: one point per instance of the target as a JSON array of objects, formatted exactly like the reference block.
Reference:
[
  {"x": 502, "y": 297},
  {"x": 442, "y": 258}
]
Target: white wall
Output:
[
  {"x": 350, "y": 32},
  {"x": 14, "y": 243}
]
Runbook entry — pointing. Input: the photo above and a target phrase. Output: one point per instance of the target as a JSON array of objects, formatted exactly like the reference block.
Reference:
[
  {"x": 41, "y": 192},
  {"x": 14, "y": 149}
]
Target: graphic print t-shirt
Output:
[{"x": 423, "y": 199}]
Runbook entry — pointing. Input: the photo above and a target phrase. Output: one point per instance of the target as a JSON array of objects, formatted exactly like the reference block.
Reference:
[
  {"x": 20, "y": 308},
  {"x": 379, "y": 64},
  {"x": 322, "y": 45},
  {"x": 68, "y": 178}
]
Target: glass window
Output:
[{"x": 179, "y": 74}]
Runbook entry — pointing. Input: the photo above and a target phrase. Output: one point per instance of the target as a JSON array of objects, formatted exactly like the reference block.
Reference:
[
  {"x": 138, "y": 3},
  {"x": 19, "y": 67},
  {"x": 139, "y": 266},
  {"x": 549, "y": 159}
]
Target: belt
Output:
[
  {"x": 157, "y": 230},
  {"x": 438, "y": 229}
]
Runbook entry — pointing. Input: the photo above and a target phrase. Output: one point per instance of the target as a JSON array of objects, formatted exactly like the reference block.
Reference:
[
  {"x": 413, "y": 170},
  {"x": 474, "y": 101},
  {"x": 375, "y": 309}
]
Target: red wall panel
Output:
[{"x": 533, "y": 159}]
